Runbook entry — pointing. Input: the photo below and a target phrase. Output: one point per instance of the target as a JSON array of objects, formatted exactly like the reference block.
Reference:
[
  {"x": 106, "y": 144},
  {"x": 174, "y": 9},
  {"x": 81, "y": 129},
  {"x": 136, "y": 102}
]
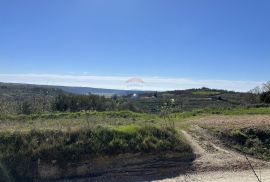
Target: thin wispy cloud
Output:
[{"x": 119, "y": 82}]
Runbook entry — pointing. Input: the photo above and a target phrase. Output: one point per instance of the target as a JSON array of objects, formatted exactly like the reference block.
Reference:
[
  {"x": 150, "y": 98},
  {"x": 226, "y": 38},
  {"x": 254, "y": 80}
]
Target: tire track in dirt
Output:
[
  {"x": 215, "y": 163},
  {"x": 212, "y": 157}
]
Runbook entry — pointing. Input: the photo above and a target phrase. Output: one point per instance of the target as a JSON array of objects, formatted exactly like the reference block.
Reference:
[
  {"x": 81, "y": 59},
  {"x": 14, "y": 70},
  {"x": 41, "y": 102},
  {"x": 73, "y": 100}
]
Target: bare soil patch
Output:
[{"x": 228, "y": 120}]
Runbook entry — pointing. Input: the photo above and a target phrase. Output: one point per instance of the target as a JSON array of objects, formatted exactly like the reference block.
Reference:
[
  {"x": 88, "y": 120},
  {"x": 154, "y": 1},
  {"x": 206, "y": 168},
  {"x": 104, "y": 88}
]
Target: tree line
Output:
[
  {"x": 263, "y": 91},
  {"x": 74, "y": 103}
]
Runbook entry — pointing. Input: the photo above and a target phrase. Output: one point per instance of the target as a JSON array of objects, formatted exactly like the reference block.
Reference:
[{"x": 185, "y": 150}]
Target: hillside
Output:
[
  {"x": 73, "y": 90},
  {"x": 19, "y": 98},
  {"x": 16, "y": 97},
  {"x": 187, "y": 100},
  {"x": 97, "y": 91}
]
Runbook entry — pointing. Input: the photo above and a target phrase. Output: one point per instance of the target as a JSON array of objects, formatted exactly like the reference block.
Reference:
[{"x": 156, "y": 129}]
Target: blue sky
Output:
[{"x": 208, "y": 43}]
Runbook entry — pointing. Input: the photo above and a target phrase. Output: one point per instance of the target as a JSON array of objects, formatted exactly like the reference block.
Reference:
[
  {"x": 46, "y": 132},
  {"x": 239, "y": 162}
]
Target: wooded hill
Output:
[{"x": 26, "y": 99}]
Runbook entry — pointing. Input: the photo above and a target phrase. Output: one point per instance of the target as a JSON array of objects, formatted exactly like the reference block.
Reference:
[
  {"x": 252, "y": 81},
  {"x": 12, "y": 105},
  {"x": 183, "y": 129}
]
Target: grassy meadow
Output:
[{"x": 28, "y": 139}]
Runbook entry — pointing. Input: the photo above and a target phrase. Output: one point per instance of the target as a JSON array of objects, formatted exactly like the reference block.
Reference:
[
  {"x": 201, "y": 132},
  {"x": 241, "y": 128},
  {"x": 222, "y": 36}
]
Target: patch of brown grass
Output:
[{"x": 227, "y": 120}]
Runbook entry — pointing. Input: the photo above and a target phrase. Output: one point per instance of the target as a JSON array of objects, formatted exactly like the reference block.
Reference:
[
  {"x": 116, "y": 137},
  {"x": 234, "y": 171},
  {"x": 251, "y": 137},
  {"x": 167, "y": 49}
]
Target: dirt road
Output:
[
  {"x": 219, "y": 176},
  {"x": 219, "y": 164}
]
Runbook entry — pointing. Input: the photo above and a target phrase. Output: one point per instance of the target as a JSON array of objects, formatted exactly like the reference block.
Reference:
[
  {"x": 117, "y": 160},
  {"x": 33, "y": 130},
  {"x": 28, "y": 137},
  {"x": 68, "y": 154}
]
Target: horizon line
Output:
[{"x": 151, "y": 83}]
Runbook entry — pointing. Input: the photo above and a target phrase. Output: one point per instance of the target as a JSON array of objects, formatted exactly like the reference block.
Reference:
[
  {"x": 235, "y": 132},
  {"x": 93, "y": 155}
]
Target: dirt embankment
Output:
[
  {"x": 113, "y": 168},
  {"x": 213, "y": 163}
]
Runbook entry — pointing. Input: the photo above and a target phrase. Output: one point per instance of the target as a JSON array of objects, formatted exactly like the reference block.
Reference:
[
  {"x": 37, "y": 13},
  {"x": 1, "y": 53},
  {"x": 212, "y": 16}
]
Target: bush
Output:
[
  {"x": 26, "y": 108},
  {"x": 251, "y": 140}
]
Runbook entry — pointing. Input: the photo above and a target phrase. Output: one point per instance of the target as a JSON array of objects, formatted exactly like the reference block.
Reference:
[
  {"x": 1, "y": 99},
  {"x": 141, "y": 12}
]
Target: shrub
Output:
[
  {"x": 251, "y": 140},
  {"x": 265, "y": 97},
  {"x": 26, "y": 108}
]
